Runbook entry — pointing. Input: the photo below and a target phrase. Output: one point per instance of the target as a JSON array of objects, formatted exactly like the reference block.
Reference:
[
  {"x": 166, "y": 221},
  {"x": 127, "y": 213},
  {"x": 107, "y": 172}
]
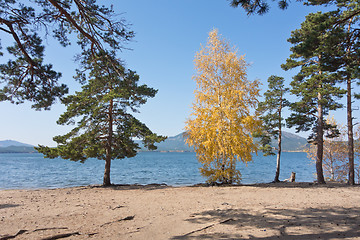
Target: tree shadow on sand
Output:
[{"x": 270, "y": 223}]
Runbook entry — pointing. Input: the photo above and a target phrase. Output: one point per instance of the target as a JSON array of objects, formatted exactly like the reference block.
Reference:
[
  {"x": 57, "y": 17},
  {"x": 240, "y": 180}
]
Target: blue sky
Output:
[{"x": 168, "y": 34}]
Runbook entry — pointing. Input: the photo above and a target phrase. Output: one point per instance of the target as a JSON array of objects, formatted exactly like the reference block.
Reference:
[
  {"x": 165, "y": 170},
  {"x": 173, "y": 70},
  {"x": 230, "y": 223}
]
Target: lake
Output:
[{"x": 31, "y": 170}]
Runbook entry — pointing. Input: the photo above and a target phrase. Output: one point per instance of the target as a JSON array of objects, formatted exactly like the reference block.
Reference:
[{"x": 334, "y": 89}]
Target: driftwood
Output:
[
  {"x": 123, "y": 219},
  {"x": 209, "y": 226},
  {"x": 63, "y": 235},
  {"x": 58, "y": 236},
  {"x": 22, "y": 231},
  {"x": 6, "y": 237}
]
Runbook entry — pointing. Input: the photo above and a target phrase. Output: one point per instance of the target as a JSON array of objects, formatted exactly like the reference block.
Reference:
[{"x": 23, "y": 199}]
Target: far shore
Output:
[{"x": 156, "y": 211}]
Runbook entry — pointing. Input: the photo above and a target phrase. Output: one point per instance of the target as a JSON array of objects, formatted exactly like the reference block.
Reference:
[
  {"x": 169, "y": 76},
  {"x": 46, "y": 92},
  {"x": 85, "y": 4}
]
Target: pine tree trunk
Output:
[
  {"x": 320, "y": 142},
  {"x": 350, "y": 134},
  {"x": 106, "y": 181},
  {"x": 277, "y": 174}
]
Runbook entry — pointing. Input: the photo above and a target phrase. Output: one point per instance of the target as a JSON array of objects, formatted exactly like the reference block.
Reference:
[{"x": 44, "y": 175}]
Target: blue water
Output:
[{"x": 27, "y": 171}]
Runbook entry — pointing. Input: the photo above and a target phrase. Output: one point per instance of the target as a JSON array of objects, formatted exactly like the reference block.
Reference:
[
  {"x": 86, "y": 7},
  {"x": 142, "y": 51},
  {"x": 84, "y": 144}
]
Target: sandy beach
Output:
[{"x": 265, "y": 211}]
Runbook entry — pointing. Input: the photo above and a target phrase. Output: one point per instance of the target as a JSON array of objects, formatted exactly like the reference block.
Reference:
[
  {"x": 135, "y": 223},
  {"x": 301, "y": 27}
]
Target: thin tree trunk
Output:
[
  {"x": 106, "y": 181},
  {"x": 351, "y": 180},
  {"x": 332, "y": 167},
  {"x": 277, "y": 174},
  {"x": 320, "y": 142}
]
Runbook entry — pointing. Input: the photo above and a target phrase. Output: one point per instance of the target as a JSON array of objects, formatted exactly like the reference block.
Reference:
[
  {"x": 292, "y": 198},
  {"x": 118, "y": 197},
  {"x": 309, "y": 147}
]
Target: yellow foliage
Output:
[{"x": 221, "y": 123}]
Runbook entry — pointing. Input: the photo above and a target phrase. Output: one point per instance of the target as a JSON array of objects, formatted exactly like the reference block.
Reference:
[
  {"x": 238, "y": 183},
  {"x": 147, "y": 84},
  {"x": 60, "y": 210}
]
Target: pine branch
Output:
[{"x": 73, "y": 22}]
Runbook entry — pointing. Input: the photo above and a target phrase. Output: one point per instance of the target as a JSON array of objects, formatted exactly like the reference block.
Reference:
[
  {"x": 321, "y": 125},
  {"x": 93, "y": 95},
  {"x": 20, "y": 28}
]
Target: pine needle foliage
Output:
[
  {"x": 26, "y": 76},
  {"x": 270, "y": 111},
  {"x": 314, "y": 85},
  {"x": 105, "y": 128}
]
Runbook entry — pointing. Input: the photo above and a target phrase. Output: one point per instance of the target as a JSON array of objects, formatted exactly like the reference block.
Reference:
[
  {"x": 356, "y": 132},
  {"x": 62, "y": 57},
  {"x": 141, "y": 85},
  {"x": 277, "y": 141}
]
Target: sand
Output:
[{"x": 267, "y": 211}]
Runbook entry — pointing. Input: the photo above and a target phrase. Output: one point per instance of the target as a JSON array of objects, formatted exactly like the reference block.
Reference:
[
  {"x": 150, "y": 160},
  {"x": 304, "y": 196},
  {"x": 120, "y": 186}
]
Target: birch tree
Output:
[{"x": 221, "y": 124}]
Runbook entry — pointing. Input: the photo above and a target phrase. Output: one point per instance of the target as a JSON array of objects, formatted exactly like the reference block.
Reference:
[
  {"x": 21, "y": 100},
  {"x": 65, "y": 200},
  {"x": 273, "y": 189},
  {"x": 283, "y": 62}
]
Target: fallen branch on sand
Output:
[
  {"x": 123, "y": 219},
  {"x": 63, "y": 235},
  {"x": 209, "y": 226},
  {"x": 58, "y": 236},
  {"x": 6, "y": 237}
]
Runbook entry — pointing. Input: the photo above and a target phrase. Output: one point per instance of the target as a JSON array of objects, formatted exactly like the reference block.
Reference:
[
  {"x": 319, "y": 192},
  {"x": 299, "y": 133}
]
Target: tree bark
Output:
[
  {"x": 320, "y": 142},
  {"x": 351, "y": 180},
  {"x": 106, "y": 181},
  {"x": 277, "y": 174}
]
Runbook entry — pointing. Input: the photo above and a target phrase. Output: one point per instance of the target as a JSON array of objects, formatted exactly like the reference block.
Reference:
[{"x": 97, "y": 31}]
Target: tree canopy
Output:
[
  {"x": 26, "y": 76},
  {"x": 261, "y": 7},
  {"x": 315, "y": 87},
  {"x": 270, "y": 111},
  {"x": 221, "y": 123},
  {"x": 102, "y": 112}
]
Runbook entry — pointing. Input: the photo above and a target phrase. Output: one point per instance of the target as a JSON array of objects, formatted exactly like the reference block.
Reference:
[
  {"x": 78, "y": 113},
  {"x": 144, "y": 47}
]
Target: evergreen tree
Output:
[
  {"x": 261, "y": 7},
  {"x": 270, "y": 111},
  {"x": 345, "y": 63},
  {"x": 221, "y": 123},
  {"x": 343, "y": 60},
  {"x": 25, "y": 76},
  {"x": 314, "y": 86},
  {"x": 105, "y": 128},
  {"x": 335, "y": 160}
]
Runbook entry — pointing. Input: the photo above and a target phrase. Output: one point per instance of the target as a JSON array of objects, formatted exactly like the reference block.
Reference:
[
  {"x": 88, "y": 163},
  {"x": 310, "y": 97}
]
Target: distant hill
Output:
[
  {"x": 11, "y": 146},
  {"x": 290, "y": 143},
  {"x": 8, "y": 143},
  {"x": 175, "y": 144}
]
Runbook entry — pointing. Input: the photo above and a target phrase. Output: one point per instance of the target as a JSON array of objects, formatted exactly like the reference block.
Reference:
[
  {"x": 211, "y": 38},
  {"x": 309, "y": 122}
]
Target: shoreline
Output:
[
  {"x": 261, "y": 211},
  {"x": 281, "y": 184}
]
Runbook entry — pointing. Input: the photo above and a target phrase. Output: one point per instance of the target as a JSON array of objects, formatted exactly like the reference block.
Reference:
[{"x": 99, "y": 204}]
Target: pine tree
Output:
[
  {"x": 313, "y": 85},
  {"x": 270, "y": 111},
  {"x": 26, "y": 77},
  {"x": 105, "y": 128},
  {"x": 345, "y": 63},
  {"x": 335, "y": 160},
  {"x": 221, "y": 123}
]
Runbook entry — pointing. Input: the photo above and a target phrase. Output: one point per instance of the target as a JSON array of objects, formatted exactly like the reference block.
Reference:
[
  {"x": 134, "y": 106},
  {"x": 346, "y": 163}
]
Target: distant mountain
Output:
[
  {"x": 290, "y": 143},
  {"x": 175, "y": 144},
  {"x": 10, "y": 146},
  {"x": 8, "y": 143}
]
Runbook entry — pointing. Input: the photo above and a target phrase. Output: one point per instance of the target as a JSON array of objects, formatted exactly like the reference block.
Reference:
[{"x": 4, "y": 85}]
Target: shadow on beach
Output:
[{"x": 273, "y": 223}]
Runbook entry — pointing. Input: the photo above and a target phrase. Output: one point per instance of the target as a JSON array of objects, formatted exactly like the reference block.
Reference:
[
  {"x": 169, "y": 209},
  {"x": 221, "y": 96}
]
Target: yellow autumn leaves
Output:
[{"x": 221, "y": 125}]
